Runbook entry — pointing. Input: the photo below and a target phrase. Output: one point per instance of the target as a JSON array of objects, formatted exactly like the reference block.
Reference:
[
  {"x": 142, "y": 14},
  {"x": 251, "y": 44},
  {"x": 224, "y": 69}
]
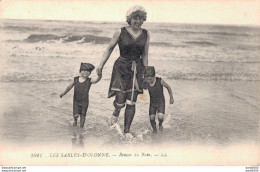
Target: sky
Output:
[{"x": 241, "y": 12}]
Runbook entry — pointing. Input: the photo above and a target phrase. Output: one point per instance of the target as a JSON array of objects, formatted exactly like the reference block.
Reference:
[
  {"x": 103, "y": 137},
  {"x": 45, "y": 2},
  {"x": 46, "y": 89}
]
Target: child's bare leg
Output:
[
  {"x": 160, "y": 118},
  {"x": 75, "y": 117},
  {"x": 82, "y": 120},
  {"x": 153, "y": 123}
]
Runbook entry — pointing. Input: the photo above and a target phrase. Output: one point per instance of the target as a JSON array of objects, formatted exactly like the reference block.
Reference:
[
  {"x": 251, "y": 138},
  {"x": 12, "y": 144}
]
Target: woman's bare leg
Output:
[
  {"x": 129, "y": 112},
  {"x": 119, "y": 103},
  {"x": 129, "y": 116}
]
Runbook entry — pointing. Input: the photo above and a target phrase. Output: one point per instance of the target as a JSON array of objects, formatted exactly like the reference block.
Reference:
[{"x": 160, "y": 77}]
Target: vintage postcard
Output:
[{"x": 173, "y": 83}]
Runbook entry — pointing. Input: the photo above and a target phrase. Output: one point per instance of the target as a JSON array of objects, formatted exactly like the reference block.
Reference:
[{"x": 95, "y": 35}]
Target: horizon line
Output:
[{"x": 116, "y": 21}]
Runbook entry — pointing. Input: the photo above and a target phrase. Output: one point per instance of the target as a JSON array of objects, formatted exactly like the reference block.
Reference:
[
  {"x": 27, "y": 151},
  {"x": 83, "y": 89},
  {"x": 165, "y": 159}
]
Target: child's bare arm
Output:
[
  {"x": 94, "y": 81},
  {"x": 69, "y": 87},
  {"x": 169, "y": 90}
]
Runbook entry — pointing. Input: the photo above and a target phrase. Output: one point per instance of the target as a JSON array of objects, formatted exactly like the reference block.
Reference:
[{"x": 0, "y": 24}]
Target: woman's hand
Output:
[{"x": 99, "y": 71}]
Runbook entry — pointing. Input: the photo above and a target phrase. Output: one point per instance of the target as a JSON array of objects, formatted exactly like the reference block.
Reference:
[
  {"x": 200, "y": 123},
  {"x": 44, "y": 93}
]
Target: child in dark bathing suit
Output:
[
  {"x": 157, "y": 102},
  {"x": 81, "y": 86}
]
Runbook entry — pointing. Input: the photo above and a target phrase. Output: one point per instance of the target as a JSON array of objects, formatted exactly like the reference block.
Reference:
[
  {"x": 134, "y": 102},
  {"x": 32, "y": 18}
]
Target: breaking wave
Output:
[
  {"x": 183, "y": 32},
  {"x": 202, "y": 43},
  {"x": 72, "y": 38},
  {"x": 213, "y": 76}
]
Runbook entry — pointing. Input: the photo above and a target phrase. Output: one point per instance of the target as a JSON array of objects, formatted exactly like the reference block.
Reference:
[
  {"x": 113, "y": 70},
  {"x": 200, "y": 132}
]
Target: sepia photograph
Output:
[{"x": 129, "y": 83}]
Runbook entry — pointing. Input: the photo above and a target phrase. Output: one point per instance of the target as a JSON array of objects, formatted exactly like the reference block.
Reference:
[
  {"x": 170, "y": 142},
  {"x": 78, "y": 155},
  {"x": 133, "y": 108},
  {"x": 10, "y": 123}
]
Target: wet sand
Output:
[{"x": 204, "y": 112}]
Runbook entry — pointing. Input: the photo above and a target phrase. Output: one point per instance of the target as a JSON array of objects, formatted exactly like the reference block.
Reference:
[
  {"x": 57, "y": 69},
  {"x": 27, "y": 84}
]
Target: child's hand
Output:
[
  {"x": 61, "y": 95},
  {"x": 171, "y": 100}
]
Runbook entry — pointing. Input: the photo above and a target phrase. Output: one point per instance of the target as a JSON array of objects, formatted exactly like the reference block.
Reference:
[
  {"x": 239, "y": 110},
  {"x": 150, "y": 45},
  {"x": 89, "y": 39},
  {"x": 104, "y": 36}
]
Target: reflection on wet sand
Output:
[{"x": 77, "y": 139}]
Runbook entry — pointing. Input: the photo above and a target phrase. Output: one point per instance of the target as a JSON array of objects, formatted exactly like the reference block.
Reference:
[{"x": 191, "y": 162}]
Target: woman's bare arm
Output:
[
  {"x": 94, "y": 81},
  {"x": 108, "y": 51},
  {"x": 146, "y": 48}
]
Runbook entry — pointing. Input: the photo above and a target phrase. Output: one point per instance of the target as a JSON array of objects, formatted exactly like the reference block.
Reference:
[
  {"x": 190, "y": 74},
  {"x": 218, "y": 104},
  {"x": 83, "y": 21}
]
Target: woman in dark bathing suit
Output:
[{"x": 133, "y": 42}]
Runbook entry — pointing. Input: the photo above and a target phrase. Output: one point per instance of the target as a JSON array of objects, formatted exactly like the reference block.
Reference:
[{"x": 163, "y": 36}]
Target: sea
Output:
[{"x": 213, "y": 70}]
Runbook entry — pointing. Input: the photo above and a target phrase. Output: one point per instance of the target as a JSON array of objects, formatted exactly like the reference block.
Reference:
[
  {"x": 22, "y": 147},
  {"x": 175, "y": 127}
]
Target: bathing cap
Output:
[
  {"x": 136, "y": 8},
  {"x": 86, "y": 66}
]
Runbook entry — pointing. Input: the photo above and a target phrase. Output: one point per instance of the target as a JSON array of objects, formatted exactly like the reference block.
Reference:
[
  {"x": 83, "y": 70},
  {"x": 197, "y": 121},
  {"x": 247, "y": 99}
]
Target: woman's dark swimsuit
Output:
[
  {"x": 81, "y": 96},
  {"x": 130, "y": 50},
  {"x": 121, "y": 83},
  {"x": 157, "y": 100}
]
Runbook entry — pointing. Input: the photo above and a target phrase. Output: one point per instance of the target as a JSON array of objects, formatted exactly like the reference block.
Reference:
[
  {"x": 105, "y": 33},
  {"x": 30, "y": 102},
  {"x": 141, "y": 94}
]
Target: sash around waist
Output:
[
  {"x": 124, "y": 66},
  {"x": 129, "y": 59}
]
